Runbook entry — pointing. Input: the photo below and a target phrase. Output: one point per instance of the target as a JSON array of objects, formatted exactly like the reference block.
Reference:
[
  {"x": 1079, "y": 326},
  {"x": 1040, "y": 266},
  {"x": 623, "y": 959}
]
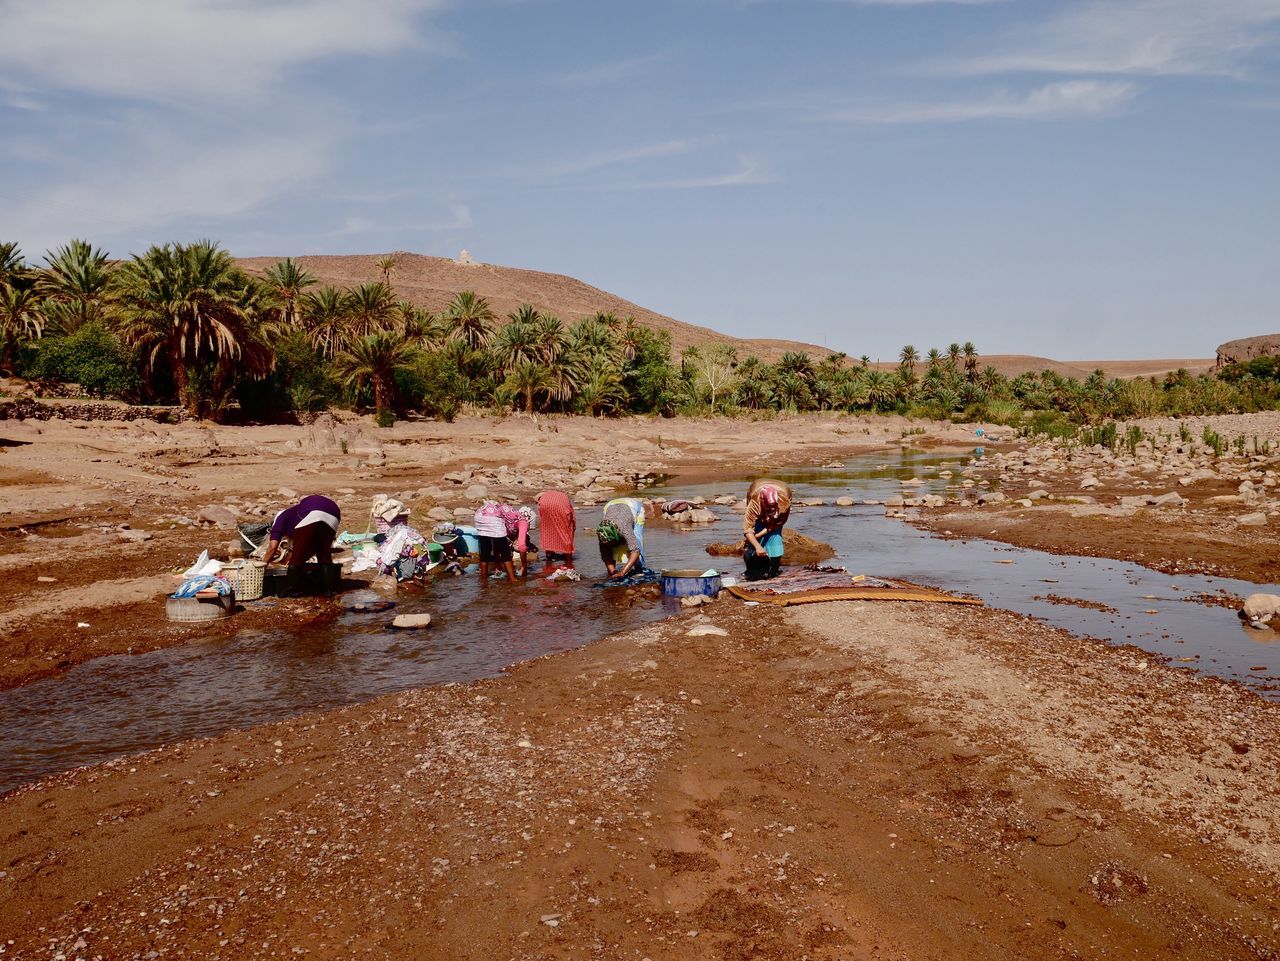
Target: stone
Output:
[
  {"x": 1252, "y": 520},
  {"x": 465, "y": 514},
  {"x": 1089, "y": 482},
  {"x": 346, "y": 490},
  {"x": 220, "y": 517},
  {"x": 699, "y": 515},
  {"x": 441, "y": 514},
  {"x": 476, "y": 492},
  {"x": 707, "y": 630},
  {"x": 1171, "y": 499},
  {"x": 411, "y": 622},
  {"x": 812, "y": 502},
  {"x": 844, "y": 502},
  {"x": 45, "y": 579},
  {"x": 727, "y": 500},
  {"x": 937, "y": 500},
  {"x": 1038, "y": 495},
  {"x": 133, "y": 537},
  {"x": 288, "y": 493},
  {"x": 697, "y": 600},
  {"x": 992, "y": 497},
  {"x": 894, "y": 500},
  {"x": 1025, "y": 502},
  {"x": 457, "y": 477}
]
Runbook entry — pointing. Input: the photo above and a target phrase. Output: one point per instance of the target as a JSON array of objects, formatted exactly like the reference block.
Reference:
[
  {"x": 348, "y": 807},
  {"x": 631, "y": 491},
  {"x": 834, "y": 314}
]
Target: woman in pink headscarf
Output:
[
  {"x": 768, "y": 508},
  {"x": 558, "y": 523}
]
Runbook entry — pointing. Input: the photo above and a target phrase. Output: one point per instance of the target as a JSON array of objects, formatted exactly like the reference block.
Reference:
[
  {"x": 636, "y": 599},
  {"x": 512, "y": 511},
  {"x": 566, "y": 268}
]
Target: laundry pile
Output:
[{"x": 203, "y": 579}]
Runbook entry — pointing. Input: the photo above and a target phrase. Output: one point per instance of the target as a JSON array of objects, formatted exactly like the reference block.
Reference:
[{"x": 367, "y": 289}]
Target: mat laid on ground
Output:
[{"x": 818, "y": 584}]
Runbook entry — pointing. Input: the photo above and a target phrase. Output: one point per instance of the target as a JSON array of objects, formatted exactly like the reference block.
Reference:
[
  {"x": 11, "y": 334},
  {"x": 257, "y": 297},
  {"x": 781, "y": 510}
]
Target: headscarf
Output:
[
  {"x": 768, "y": 501},
  {"x": 607, "y": 532}
]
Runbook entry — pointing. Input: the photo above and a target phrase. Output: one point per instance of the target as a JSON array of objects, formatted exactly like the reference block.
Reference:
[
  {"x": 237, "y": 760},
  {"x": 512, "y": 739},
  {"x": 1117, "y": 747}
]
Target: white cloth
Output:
[
  {"x": 319, "y": 517},
  {"x": 490, "y": 525}
]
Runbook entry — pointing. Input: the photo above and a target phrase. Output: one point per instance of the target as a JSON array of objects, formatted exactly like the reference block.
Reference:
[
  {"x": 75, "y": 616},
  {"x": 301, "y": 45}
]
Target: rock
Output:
[
  {"x": 697, "y": 600},
  {"x": 1089, "y": 482},
  {"x": 991, "y": 497},
  {"x": 476, "y": 492},
  {"x": 1252, "y": 520},
  {"x": 236, "y": 548},
  {"x": 727, "y": 500},
  {"x": 457, "y": 477},
  {"x": 1225, "y": 499},
  {"x": 844, "y": 502},
  {"x": 699, "y": 515},
  {"x": 288, "y": 493},
  {"x": 45, "y": 579},
  {"x": 937, "y": 500},
  {"x": 894, "y": 500},
  {"x": 407, "y": 622},
  {"x": 221, "y": 517},
  {"x": 707, "y": 630},
  {"x": 441, "y": 514},
  {"x": 133, "y": 537},
  {"x": 346, "y": 490},
  {"x": 1171, "y": 499},
  {"x": 913, "y": 482},
  {"x": 811, "y": 502},
  {"x": 1038, "y": 495},
  {"x": 465, "y": 514},
  {"x": 1025, "y": 502}
]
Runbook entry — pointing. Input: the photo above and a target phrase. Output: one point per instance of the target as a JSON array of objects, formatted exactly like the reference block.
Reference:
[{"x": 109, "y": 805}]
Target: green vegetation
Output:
[{"x": 181, "y": 322}]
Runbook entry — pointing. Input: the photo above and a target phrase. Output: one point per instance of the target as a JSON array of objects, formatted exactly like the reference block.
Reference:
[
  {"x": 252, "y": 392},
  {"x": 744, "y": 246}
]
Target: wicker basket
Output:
[
  {"x": 246, "y": 579},
  {"x": 194, "y": 609}
]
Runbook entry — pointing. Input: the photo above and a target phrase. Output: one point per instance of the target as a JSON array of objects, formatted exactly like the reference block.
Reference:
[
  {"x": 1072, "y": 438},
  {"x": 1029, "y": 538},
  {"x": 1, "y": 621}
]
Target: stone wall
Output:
[{"x": 25, "y": 408}]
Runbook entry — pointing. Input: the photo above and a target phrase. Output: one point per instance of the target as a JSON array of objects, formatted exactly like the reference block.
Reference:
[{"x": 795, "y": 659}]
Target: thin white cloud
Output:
[
  {"x": 1053, "y": 101},
  {"x": 174, "y": 185},
  {"x": 1142, "y": 37},
  {"x": 610, "y": 71},
  {"x": 747, "y": 174},
  {"x": 206, "y": 50},
  {"x": 610, "y": 158},
  {"x": 459, "y": 219}
]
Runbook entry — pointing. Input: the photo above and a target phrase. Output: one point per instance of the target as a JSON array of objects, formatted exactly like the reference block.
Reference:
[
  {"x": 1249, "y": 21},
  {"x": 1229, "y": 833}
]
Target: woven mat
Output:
[{"x": 901, "y": 592}]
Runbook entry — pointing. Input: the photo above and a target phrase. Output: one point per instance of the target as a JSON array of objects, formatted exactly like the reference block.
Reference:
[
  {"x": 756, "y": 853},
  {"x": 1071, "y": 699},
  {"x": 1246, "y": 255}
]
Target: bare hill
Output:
[
  {"x": 1247, "y": 348},
  {"x": 431, "y": 282}
]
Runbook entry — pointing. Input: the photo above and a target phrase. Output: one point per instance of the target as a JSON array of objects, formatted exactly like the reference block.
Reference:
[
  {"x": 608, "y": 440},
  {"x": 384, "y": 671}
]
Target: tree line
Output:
[{"x": 184, "y": 323}]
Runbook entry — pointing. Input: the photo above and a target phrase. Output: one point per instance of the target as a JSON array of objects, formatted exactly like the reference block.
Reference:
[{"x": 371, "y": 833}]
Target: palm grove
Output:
[{"x": 183, "y": 322}]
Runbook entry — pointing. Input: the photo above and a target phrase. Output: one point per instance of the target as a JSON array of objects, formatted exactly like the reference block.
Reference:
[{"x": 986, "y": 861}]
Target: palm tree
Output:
[
  {"x": 387, "y": 264},
  {"x": 866, "y": 360},
  {"x": 629, "y": 338},
  {"x": 374, "y": 359},
  {"x": 970, "y": 361},
  {"x": 599, "y": 385},
  {"x": 10, "y": 262},
  {"x": 20, "y": 321},
  {"x": 953, "y": 356},
  {"x": 182, "y": 307},
  {"x": 528, "y": 377},
  {"x": 516, "y": 344},
  {"x": 369, "y": 309},
  {"x": 471, "y": 319},
  {"x": 76, "y": 286},
  {"x": 285, "y": 282},
  {"x": 879, "y": 389},
  {"x": 908, "y": 358},
  {"x": 934, "y": 358},
  {"x": 525, "y": 312},
  {"x": 324, "y": 317}
]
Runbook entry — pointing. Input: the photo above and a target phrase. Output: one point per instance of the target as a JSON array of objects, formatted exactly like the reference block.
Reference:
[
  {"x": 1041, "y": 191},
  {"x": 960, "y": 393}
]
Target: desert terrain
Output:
[{"x": 841, "y": 780}]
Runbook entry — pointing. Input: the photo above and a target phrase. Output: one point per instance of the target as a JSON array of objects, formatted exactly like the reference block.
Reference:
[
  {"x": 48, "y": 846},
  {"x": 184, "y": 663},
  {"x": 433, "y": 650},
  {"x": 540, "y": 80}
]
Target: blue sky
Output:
[{"x": 1077, "y": 179}]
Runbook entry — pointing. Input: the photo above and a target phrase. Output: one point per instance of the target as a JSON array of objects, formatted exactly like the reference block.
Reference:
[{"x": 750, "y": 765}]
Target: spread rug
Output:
[{"x": 815, "y": 584}]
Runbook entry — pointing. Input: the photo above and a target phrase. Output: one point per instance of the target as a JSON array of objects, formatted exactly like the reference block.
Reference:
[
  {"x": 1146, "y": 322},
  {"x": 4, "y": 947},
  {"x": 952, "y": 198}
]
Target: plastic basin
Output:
[{"x": 689, "y": 584}]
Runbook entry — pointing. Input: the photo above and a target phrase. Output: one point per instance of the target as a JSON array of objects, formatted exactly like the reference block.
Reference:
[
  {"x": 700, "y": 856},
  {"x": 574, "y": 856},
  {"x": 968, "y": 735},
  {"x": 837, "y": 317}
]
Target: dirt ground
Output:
[
  {"x": 831, "y": 782},
  {"x": 837, "y": 781}
]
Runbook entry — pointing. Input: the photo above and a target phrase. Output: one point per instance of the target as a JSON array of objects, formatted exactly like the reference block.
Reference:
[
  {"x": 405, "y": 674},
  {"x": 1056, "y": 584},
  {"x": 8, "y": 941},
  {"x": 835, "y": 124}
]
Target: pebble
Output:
[
  {"x": 411, "y": 621},
  {"x": 45, "y": 579},
  {"x": 707, "y": 630}
]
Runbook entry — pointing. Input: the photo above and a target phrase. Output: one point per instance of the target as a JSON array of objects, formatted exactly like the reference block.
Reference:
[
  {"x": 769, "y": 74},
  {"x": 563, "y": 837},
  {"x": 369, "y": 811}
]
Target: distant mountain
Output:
[{"x": 431, "y": 282}]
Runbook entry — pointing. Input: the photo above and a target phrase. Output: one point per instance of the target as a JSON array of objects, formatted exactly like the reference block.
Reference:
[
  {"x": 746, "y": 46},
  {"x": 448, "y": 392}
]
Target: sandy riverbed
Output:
[{"x": 837, "y": 781}]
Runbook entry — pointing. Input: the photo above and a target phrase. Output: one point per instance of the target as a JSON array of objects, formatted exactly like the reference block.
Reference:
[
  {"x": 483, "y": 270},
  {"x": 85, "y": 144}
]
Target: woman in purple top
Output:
[{"x": 311, "y": 525}]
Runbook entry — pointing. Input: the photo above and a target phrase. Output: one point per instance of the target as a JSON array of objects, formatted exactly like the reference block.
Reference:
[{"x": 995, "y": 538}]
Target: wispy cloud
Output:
[
  {"x": 747, "y": 174},
  {"x": 171, "y": 50},
  {"x": 459, "y": 218},
  {"x": 1143, "y": 37},
  {"x": 608, "y": 158},
  {"x": 1053, "y": 101},
  {"x": 609, "y": 71}
]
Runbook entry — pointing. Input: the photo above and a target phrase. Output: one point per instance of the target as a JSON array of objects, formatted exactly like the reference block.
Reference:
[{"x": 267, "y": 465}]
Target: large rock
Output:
[
  {"x": 441, "y": 514},
  {"x": 476, "y": 492},
  {"x": 991, "y": 497},
  {"x": 220, "y": 517},
  {"x": 1252, "y": 520},
  {"x": 411, "y": 622},
  {"x": 1171, "y": 499},
  {"x": 1246, "y": 349}
]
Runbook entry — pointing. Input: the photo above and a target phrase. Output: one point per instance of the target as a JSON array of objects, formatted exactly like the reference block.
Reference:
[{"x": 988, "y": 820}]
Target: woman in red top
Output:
[{"x": 558, "y": 523}]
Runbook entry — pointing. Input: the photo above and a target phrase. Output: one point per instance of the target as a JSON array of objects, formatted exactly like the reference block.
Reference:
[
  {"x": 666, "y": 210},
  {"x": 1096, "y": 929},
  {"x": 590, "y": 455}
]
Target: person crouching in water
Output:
[
  {"x": 768, "y": 508},
  {"x": 311, "y": 525},
  {"x": 497, "y": 526},
  {"x": 621, "y": 536},
  {"x": 558, "y": 521}
]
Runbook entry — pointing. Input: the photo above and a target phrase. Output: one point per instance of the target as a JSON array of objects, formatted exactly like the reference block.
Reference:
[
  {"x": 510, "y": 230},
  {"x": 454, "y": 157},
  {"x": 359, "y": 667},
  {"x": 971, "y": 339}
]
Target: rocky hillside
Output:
[
  {"x": 431, "y": 282},
  {"x": 1247, "y": 348}
]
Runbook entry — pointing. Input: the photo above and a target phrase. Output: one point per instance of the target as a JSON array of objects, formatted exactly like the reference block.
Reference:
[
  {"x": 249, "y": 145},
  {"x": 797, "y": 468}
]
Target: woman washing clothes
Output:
[
  {"x": 403, "y": 550},
  {"x": 311, "y": 525},
  {"x": 499, "y": 528},
  {"x": 558, "y": 522},
  {"x": 768, "y": 508},
  {"x": 621, "y": 536}
]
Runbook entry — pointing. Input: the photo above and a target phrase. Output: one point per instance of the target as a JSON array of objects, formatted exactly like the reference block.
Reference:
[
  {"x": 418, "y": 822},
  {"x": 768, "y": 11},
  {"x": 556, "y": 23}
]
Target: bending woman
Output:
[
  {"x": 311, "y": 525},
  {"x": 556, "y": 515},
  {"x": 621, "y": 536},
  {"x": 768, "y": 508}
]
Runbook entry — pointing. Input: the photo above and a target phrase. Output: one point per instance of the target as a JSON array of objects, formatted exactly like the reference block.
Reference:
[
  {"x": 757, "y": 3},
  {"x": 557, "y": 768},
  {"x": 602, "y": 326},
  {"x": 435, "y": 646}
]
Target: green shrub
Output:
[
  {"x": 91, "y": 357},
  {"x": 386, "y": 418}
]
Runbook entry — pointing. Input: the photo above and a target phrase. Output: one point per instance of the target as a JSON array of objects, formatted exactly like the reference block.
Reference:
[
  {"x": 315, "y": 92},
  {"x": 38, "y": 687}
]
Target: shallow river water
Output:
[{"x": 125, "y": 703}]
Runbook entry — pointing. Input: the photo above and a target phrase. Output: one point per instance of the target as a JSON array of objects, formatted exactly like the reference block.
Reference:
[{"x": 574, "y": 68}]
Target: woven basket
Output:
[
  {"x": 246, "y": 579},
  {"x": 194, "y": 609}
]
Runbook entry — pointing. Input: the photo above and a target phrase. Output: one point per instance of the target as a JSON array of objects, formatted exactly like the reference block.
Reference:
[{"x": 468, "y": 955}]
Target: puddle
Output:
[{"x": 121, "y": 704}]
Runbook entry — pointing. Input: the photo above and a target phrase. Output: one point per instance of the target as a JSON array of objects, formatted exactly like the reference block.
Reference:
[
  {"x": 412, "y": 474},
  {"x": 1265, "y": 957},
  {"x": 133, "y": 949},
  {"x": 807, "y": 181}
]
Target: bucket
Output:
[
  {"x": 196, "y": 609},
  {"x": 689, "y": 583},
  {"x": 246, "y": 579}
]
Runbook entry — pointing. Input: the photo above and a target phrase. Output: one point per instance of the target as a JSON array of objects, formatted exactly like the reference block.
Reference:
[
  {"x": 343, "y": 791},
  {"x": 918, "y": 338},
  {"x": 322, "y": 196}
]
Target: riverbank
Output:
[
  {"x": 105, "y": 511},
  {"x": 835, "y": 781}
]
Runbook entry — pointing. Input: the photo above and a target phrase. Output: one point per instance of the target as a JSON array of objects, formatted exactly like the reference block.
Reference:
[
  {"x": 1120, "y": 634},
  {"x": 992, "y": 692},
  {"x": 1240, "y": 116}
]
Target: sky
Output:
[{"x": 1077, "y": 179}]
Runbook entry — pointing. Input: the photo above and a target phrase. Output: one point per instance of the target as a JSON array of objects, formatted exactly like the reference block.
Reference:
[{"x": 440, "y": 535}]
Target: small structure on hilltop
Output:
[
  {"x": 464, "y": 259},
  {"x": 1247, "y": 349}
]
